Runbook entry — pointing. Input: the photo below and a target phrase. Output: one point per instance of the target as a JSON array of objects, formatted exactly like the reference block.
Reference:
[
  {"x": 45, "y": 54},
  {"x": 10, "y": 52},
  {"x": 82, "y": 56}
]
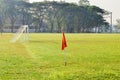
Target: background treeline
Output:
[{"x": 52, "y": 16}]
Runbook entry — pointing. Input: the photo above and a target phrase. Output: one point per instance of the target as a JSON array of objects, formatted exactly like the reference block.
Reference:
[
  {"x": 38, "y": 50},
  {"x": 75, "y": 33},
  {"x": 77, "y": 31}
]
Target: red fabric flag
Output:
[{"x": 64, "y": 43}]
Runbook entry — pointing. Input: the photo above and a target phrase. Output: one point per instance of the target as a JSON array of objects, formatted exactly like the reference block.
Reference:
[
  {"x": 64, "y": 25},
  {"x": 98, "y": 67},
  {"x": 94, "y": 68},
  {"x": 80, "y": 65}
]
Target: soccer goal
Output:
[{"x": 23, "y": 30}]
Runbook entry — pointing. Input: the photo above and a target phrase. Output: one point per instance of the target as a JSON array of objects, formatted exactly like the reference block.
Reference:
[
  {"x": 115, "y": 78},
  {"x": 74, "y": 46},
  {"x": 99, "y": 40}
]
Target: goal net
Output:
[{"x": 23, "y": 30}]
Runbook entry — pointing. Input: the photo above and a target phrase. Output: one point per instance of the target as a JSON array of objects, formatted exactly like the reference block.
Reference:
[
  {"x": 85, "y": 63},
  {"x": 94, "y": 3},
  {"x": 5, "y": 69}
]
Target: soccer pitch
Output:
[{"x": 88, "y": 56}]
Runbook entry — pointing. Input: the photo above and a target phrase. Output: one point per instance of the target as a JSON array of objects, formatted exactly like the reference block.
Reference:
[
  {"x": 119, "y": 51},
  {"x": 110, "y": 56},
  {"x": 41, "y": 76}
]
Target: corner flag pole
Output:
[
  {"x": 65, "y": 62},
  {"x": 64, "y": 45}
]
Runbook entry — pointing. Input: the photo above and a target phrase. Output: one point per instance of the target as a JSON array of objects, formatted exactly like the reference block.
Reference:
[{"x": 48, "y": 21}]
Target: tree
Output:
[
  {"x": 54, "y": 16},
  {"x": 96, "y": 17},
  {"x": 12, "y": 12},
  {"x": 2, "y": 14},
  {"x": 59, "y": 16},
  {"x": 52, "y": 12},
  {"x": 24, "y": 11},
  {"x": 71, "y": 17},
  {"x": 1, "y": 24},
  {"x": 39, "y": 13}
]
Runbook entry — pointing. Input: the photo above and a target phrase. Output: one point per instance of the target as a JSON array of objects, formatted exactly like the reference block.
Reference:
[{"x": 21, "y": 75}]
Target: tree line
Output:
[{"x": 52, "y": 16}]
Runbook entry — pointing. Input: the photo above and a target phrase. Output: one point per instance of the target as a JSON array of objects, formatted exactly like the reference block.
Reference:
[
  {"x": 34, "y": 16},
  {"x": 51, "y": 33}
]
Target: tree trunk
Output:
[
  {"x": 35, "y": 28},
  {"x": 59, "y": 27},
  {"x": 40, "y": 24},
  {"x": 52, "y": 27},
  {"x": 12, "y": 27},
  {"x": 1, "y": 30}
]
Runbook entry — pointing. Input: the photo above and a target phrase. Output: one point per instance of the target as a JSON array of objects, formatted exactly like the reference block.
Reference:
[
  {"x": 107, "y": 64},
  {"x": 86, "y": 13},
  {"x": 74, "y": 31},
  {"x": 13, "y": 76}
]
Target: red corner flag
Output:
[{"x": 64, "y": 43}]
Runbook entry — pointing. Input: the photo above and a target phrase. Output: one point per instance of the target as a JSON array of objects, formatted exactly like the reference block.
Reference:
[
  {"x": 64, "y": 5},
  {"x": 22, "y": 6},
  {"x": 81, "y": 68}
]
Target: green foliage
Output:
[
  {"x": 54, "y": 16},
  {"x": 89, "y": 57}
]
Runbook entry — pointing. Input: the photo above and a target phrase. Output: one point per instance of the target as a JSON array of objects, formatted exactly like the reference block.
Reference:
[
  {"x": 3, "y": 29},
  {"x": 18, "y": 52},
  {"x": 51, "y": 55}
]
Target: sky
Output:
[{"x": 109, "y": 5}]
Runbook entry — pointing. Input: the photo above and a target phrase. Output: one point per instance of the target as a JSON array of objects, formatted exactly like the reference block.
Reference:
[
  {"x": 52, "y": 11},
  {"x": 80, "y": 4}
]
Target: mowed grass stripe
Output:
[{"x": 14, "y": 59}]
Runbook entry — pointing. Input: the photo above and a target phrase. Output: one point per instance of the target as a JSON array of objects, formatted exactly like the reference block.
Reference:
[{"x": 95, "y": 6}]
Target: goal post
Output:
[{"x": 23, "y": 30}]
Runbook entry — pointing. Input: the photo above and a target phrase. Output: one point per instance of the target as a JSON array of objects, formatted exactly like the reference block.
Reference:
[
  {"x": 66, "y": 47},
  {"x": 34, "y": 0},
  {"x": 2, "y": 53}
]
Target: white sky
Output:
[{"x": 109, "y": 5}]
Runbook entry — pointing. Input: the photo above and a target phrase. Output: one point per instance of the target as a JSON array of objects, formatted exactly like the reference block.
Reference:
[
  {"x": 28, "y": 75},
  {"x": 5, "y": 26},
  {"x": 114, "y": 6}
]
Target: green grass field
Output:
[{"x": 89, "y": 57}]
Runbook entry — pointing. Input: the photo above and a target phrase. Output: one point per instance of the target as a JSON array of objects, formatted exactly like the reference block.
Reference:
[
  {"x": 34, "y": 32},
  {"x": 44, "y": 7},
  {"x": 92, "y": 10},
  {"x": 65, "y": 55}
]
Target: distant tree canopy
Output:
[{"x": 53, "y": 16}]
